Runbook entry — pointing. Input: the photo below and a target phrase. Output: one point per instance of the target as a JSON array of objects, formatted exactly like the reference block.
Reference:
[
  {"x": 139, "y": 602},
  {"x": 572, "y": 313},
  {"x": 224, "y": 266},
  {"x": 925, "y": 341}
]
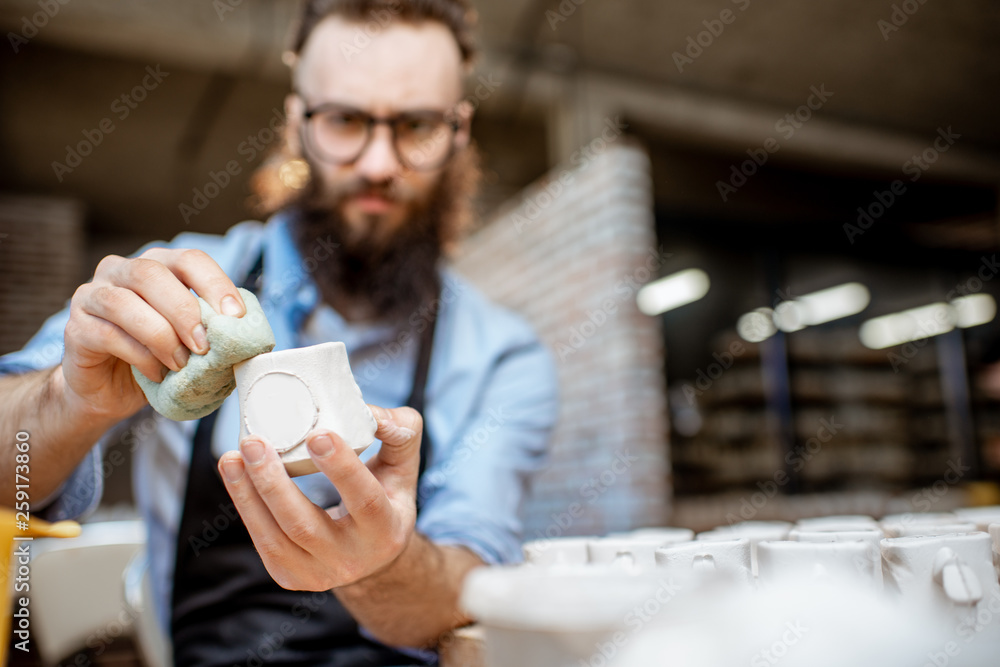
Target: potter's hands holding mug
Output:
[
  {"x": 305, "y": 547},
  {"x": 139, "y": 311}
]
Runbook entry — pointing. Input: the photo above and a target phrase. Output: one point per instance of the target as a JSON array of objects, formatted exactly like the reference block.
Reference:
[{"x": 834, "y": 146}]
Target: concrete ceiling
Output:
[{"x": 941, "y": 68}]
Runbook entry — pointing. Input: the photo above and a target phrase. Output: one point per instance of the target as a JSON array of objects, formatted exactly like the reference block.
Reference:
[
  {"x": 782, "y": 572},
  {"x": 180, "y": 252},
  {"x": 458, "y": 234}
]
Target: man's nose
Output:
[{"x": 379, "y": 161}]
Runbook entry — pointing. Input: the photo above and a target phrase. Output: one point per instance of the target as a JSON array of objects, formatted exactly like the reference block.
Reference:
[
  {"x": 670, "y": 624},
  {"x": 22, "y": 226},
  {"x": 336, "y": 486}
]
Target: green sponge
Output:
[{"x": 203, "y": 384}]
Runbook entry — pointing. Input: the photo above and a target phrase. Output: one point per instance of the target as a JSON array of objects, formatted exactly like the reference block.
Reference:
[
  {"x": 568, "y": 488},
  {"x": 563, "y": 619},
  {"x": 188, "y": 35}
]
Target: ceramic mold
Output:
[
  {"x": 782, "y": 561},
  {"x": 285, "y": 395},
  {"x": 696, "y": 558},
  {"x": 994, "y": 529},
  {"x": 892, "y": 522},
  {"x": 953, "y": 570},
  {"x": 638, "y": 550},
  {"x": 872, "y": 538},
  {"x": 842, "y": 522},
  {"x": 557, "y": 551},
  {"x": 981, "y": 516},
  {"x": 916, "y": 529},
  {"x": 755, "y": 531}
]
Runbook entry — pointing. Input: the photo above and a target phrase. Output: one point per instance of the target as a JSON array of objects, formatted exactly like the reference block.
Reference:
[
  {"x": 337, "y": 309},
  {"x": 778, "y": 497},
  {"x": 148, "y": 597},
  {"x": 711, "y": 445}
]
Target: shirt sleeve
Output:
[
  {"x": 474, "y": 496},
  {"x": 81, "y": 492}
]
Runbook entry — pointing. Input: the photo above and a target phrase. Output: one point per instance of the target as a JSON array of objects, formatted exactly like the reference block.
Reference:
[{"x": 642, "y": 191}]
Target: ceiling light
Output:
[
  {"x": 973, "y": 310},
  {"x": 672, "y": 291},
  {"x": 823, "y": 306},
  {"x": 907, "y": 326},
  {"x": 756, "y": 326}
]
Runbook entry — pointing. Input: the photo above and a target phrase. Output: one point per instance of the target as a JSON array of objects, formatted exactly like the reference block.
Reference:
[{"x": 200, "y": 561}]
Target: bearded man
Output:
[{"x": 362, "y": 563}]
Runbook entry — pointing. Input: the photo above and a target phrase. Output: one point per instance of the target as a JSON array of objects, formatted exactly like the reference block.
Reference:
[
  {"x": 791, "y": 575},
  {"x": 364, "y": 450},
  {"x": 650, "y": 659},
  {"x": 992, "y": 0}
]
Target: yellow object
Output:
[
  {"x": 982, "y": 494},
  {"x": 11, "y": 534}
]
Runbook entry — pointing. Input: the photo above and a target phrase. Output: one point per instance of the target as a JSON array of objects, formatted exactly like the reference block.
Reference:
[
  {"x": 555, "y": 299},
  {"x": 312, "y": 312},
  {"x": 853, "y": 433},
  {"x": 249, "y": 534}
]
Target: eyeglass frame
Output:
[{"x": 452, "y": 119}]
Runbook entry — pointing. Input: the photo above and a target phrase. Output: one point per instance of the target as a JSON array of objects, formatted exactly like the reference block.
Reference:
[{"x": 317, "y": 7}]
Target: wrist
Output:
[
  {"x": 74, "y": 408},
  {"x": 390, "y": 572}
]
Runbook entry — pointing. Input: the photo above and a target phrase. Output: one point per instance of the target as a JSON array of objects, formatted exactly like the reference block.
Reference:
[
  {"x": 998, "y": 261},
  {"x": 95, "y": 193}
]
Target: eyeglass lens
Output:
[{"x": 422, "y": 141}]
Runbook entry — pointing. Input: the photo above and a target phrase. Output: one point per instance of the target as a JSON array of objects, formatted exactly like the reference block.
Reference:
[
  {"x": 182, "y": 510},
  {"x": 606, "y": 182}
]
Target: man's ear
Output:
[
  {"x": 465, "y": 111},
  {"x": 294, "y": 108}
]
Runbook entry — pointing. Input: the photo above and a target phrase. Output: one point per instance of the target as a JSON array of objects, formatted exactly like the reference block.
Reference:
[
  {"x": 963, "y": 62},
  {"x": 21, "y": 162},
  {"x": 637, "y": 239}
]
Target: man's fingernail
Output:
[
  {"x": 233, "y": 470},
  {"x": 321, "y": 445},
  {"x": 200, "y": 339},
  {"x": 253, "y": 451},
  {"x": 230, "y": 306},
  {"x": 181, "y": 356}
]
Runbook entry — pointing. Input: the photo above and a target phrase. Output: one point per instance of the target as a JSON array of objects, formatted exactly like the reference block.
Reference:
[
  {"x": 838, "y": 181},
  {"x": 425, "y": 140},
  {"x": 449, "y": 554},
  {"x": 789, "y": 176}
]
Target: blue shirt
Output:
[{"x": 490, "y": 404}]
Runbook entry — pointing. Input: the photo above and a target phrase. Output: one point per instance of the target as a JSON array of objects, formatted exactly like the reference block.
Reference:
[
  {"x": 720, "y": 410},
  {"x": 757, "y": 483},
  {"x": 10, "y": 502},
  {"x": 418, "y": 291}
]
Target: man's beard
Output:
[{"x": 386, "y": 279}]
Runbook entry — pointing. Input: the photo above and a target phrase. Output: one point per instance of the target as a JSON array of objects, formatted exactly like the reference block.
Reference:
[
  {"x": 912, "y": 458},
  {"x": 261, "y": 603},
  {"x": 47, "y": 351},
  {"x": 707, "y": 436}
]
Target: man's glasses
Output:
[{"x": 340, "y": 134}]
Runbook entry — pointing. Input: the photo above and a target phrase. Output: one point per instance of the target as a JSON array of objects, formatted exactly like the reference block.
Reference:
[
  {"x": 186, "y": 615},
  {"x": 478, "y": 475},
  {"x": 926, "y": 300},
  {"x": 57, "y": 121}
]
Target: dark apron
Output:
[{"x": 226, "y": 608}]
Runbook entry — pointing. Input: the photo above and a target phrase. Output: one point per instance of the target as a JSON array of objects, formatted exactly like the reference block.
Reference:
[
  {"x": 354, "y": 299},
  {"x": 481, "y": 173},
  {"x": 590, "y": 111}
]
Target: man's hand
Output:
[
  {"x": 138, "y": 311},
  {"x": 135, "y": 311},
  {"x": 305, "y": 547}
]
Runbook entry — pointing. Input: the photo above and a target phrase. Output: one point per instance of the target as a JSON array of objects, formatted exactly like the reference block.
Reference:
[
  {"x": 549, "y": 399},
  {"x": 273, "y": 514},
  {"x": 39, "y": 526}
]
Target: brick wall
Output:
[
  {"x": 41, "y": 251},
  {"x": 569, "y": 254}
]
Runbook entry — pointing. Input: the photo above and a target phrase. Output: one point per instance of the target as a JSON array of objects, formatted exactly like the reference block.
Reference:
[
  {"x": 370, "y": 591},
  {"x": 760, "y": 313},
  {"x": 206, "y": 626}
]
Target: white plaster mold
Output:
[{"x": 285, "y": 395}]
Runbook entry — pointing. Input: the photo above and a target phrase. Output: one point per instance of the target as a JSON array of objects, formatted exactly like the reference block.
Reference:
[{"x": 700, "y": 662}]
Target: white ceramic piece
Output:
[
  {"x": 637, "y": 548},
  {"x": 890, "y": 523},
  {"x": 285, "y": 395},
  {"x": 981, "y": 516},
  {"x": 698, "y": 558},
  {"x": 841, "y": 522},
  {"x": 797, "y": 624},
  {"x": 782, "y": 561},
  {"x": 557, "y": 551},
  {"x": 994, "y": 529},
  {"x": 871, "y": 537},
  {"x": 662, "y": 534},
  {"x": 950, "y": 570},
  {"x": 623, "y": 552},
  {"x": 755, "y": 531},
  {"x": 928, "y": 529},
  {"x": 555, "y": 616}
]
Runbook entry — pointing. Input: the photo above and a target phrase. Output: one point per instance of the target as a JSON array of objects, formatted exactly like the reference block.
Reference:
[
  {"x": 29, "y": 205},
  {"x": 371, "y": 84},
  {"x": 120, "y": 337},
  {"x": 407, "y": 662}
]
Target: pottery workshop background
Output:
[{"x": 764, "y": 151}]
